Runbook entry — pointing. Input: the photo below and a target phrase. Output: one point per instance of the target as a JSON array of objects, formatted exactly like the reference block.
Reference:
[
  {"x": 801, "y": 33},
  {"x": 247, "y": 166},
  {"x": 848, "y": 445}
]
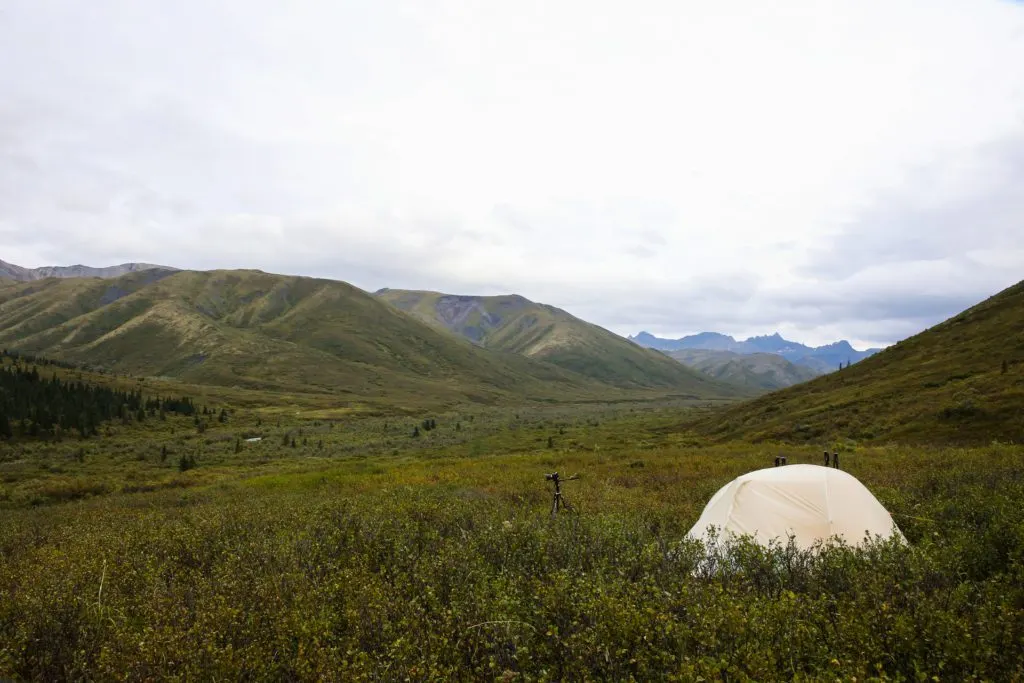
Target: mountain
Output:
[
  {"x": 959, "y": 382},
  {"x": 13, "y": 272},
  {"x": 774, "y": 343},
  {"x": 250, "y": 329},
  {"x": 821, "y": 359},
  {"x": 711, "y": 341},
  {"x": 758, "y": 371},
  {"x": 517, "y": 325}
]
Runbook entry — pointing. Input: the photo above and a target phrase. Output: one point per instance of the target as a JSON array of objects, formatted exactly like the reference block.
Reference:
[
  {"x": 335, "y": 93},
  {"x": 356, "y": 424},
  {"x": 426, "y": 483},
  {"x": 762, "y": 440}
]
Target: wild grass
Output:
[{"x": 383, "y": 556}]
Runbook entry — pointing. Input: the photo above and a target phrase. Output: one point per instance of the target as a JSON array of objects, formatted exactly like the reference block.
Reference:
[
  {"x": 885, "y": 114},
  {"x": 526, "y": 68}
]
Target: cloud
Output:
[
  {"x": 847, "y": 169},
  {"x": 944, "y": 210}
]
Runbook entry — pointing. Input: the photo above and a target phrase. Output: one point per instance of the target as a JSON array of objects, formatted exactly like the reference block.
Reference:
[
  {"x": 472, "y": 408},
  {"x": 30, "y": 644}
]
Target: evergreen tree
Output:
[{"x": 47, "y": 407}]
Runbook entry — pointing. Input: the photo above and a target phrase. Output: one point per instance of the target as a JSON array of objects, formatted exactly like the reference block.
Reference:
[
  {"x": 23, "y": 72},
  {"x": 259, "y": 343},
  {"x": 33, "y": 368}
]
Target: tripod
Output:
[{"x": 558, "y": 500}]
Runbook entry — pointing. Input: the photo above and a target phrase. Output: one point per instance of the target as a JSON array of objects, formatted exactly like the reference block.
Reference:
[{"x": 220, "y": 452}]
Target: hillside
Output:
[
  {"x": 821, "y": 359},
  {"x": 758, "y": 371},
  {"x": 20, "y": 274},
  {"x": 253, "y": 330},
  {"x": 538, "y": 331},
  {"x": 961, "y": 381}
]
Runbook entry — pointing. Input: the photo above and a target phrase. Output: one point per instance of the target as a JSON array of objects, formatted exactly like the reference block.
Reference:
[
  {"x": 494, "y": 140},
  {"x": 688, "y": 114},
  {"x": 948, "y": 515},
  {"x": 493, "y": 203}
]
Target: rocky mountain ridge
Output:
[
  {"x": 22, "y": 274},
  {"x": 819, "y": 358}
]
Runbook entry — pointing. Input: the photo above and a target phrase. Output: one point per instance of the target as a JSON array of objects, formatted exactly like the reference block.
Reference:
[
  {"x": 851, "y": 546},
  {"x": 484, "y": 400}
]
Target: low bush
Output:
[{"x": 448, "y": 568}]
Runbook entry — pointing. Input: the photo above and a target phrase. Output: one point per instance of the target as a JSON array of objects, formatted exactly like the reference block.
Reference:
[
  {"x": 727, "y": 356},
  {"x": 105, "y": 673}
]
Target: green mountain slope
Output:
[
  {"x": 961, "y": 381},
  {"x": 758, "y": 371},
  {"x": 517, "y": 325},
  {"x": 254, "y": 330}
]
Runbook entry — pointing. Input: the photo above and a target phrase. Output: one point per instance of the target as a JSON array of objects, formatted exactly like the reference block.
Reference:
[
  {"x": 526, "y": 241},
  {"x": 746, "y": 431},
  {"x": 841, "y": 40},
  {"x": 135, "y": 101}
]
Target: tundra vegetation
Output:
[
  {"x": 222, "y": 523},
  {"x": 340, "y": 547}
]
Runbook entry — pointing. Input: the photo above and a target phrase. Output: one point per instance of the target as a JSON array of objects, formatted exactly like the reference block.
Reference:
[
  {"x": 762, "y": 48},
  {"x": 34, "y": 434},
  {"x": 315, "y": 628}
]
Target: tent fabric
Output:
[{"x": 810, "y": 502}]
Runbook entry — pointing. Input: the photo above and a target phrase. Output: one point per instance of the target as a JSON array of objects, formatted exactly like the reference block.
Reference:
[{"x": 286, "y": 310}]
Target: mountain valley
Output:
[
  {"x": 254, "y": 330},
  {"x": 513, "y": 324}
]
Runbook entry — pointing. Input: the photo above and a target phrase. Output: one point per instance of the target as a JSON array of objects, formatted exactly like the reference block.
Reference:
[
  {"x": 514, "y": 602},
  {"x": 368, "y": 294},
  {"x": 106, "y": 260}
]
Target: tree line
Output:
[{"x": 36, "y": 406}]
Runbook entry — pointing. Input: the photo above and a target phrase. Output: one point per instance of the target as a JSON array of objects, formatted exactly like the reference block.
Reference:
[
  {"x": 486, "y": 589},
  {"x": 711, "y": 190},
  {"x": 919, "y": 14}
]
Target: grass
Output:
[
  {"x": 352, "y": 542},
  {"x": 145, "y": 455},
  {"x": 380, "y": 555}
]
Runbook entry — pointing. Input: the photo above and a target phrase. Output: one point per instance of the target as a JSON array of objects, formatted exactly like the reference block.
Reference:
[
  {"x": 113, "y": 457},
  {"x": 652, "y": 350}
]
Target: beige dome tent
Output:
[{"x": 810, "y": 502}]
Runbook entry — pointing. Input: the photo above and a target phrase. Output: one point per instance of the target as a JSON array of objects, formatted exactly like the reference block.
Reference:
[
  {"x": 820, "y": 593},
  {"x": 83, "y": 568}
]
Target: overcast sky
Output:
[{"x": 848, "y": 169}]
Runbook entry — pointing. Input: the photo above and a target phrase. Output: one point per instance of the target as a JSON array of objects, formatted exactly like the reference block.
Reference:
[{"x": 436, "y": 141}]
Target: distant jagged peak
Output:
[
  {"x": 642, "y": 337},
  {"x": 774, "y": 343},
  {"x": 702, "y": 340},
  {"x": 703, "y": 336},
  {"x": 21, "y": 274},
  {"x": 841, "y": 345},
  {"x": 776, "y": 339},
  {"x": 821, "y": 358}
]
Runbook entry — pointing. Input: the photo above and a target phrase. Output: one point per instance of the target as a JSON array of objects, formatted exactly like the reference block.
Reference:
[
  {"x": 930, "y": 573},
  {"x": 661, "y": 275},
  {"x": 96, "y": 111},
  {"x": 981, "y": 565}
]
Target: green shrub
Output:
[{"x": 443, "y": 563}]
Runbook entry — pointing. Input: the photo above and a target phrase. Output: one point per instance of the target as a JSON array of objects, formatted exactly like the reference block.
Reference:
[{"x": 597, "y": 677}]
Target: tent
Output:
[{"x": 810, "y": 502}]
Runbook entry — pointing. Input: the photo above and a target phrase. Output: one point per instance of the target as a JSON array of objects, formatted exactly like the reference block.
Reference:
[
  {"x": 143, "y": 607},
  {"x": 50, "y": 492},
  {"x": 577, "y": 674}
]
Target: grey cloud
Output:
[
  {"x": 148, "y": 134},
  {"x": 917, "y": 222},
  {"x": 723, "y": 308},
  {"x": 916, "y": 306}
]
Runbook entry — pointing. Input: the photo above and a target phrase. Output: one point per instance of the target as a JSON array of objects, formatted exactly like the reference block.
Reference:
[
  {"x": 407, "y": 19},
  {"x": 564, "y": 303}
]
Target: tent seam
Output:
[{"x": 732, "y": 502}]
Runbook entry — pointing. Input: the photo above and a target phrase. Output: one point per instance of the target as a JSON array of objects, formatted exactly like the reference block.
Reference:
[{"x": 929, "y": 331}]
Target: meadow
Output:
[{"x": 375, "y": 547}]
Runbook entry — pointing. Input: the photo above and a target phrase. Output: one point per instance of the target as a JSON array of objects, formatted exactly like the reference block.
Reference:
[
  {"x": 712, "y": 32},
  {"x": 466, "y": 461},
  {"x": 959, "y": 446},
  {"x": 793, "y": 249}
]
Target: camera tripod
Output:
[{"x": 558, "y": 501}]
